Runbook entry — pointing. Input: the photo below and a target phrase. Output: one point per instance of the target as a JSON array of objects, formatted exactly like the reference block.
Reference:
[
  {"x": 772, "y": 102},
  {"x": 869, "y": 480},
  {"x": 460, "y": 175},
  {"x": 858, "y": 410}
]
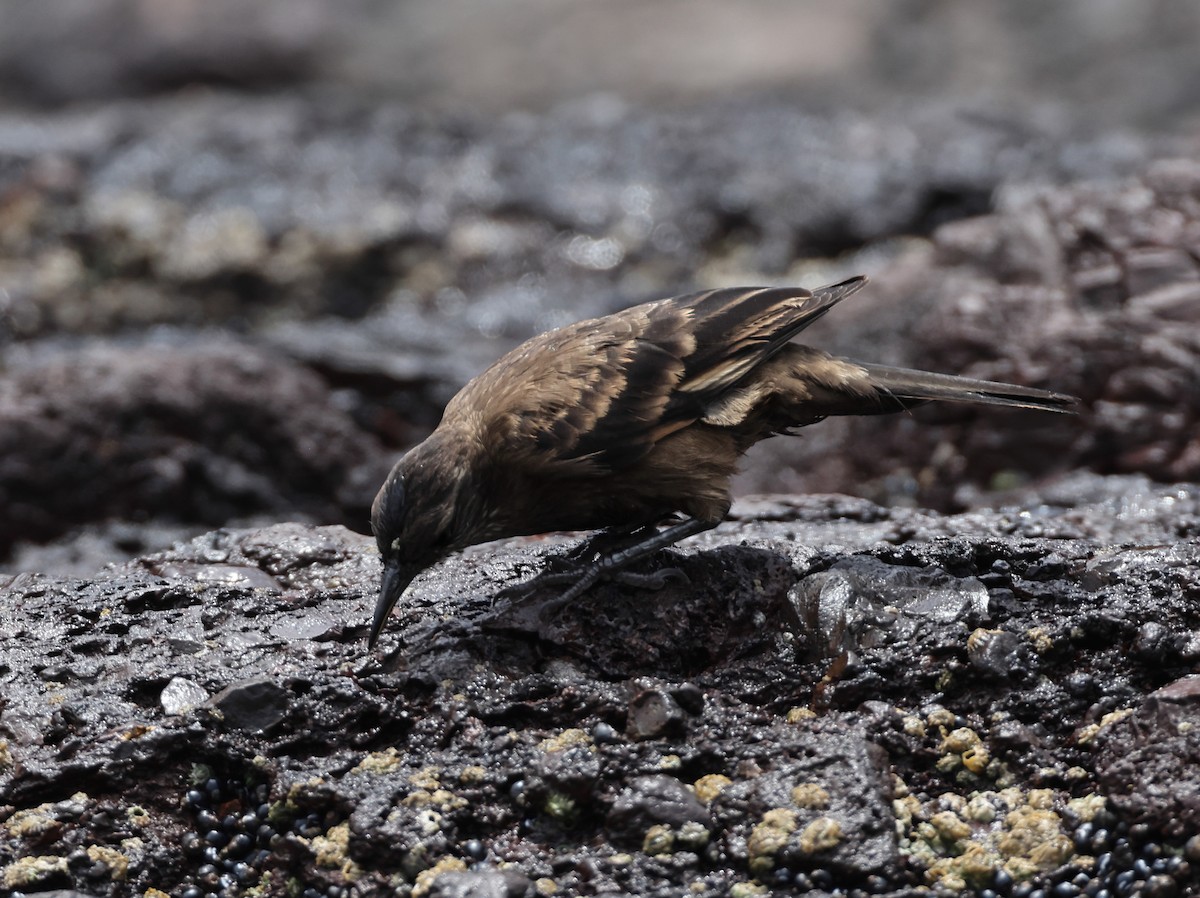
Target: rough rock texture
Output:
[
  {"x": 711, "y": 738},
  {"x": 217, "y": 207},
  {"x": 184, "y": 431}
]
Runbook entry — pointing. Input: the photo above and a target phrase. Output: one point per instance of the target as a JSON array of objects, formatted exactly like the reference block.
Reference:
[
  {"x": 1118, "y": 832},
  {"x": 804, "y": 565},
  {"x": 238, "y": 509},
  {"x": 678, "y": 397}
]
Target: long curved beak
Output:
[{"x": 396, "y": 578}]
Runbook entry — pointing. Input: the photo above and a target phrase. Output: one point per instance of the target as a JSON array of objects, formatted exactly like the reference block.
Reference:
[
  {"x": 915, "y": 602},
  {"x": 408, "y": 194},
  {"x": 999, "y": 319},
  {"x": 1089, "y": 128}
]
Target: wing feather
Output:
[{"x": 602, "y": 392}]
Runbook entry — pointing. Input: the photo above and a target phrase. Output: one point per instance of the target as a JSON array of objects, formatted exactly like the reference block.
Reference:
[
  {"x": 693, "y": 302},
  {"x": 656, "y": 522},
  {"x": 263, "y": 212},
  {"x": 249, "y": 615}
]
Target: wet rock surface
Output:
[{"x": 206, "y": 719}]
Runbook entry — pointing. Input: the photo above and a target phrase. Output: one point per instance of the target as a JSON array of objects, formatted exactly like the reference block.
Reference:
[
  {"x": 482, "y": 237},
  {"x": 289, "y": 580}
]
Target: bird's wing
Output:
[{"x": 602, "y": 392}]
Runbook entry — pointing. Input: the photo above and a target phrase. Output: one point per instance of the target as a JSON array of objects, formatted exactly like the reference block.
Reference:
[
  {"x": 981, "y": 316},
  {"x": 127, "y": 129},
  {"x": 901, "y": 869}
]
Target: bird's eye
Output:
[{"x": 387, "y": 513}]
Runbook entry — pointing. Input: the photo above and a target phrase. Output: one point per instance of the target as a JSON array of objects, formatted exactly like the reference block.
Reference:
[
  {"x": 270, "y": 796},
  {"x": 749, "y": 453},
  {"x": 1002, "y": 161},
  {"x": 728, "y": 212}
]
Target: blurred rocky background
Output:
[{"x": 249, "y": 249}]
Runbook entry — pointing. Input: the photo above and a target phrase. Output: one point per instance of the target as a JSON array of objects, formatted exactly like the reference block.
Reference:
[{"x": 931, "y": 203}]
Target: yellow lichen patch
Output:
[
  {"x": 429, "y": 796},
  {"x": 948, "y": 763},
  {"x": 154, "y": 893},
  {"x": 1040, "y": 639},
  {"x": 811, "y": 796},
  {"x": 545, "y": 886},
  {"x": 950, "y": 827},
  {"x": 1042, "y": 799},
  {"x": 331, "y": 851},
  {"x": 442, "y": 799},
  {"x": 428, "y": 821},
  {"x": 906, "y": 809},
  {"x": 1089, "y": 732},
  {"x": 711, "y": 785},
  {"x": 137, "y": 731},
  {"x": 747, "y": 890},
  {"x": 472, "y": 774},
  {"x": 768, "y": 837},
  {"x": 980, "y": 809},
  {"x": 1035, "y": 834},
  {"x": 965, "y": 840},
  {"x": 117, "y": 863},
  {"x": 941, "y": 717},
  {"x": 565, "y": 739},
  {"x": 379, "y": 762},
  {"x": 659, "y": 840},
  {"x": 976, "y": 759},
  {"x": 960, "y": 740},
  {"x": 428, "y": 778},
  {"x": 796, "y": 715},
  {"x": 28, "y": 871},
  {"x": 975, "y": 867},
  {"x": 1087, "y": 807},
  {"x": 822, "y": 834},
  {"x": 42, "y": 819},
  {"x": 6, "y": 758},
  {"x": 962, "y": 748},
  {"x": 426, "y": 878}
]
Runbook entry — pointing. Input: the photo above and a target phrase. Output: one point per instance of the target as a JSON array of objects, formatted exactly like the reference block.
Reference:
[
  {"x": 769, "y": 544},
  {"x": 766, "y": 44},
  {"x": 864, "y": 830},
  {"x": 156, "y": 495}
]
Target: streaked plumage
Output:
[{"x": 624, "y": 420}]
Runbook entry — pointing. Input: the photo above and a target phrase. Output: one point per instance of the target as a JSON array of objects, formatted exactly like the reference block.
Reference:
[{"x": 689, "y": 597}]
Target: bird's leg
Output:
[
  {"x": 614, "y": 562},
  {"x": 565, "y": 568},
  {"x": 606, "y": 542}
]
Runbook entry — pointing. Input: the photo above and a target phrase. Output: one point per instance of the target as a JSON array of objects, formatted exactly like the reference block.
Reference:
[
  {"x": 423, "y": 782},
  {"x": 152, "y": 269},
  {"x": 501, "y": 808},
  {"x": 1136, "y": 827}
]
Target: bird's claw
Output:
[
  {"x": 563, "y": 573},
  {"x": 656, "y": 580}
]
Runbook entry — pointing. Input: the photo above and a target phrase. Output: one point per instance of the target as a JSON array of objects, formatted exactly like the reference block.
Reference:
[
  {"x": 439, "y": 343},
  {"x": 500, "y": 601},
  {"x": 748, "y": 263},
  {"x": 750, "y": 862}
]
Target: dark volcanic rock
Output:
[
  {"x": 252, "y": 705},
  {"x": 656, "y": 800},
  {"x": 1149, "y": 762},
  {"x": 186, "y": 433},
  {"x": 823, "y": 798},
  {"x": 1091, "y": 288},
  {"x": 482, "y": 884},
  {"x": 483, "y": 749}
]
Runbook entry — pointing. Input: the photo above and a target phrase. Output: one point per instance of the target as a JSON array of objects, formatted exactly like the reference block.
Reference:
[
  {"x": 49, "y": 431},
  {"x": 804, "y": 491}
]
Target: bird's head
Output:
[{"x": 424, "y": 511}]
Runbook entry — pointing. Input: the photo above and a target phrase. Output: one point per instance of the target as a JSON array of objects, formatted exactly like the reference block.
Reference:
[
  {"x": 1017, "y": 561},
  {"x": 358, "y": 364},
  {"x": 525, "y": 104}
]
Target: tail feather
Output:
[{"x": 910, "y": 387}]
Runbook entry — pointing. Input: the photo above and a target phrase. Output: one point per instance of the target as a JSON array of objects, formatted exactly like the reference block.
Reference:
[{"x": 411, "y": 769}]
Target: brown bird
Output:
[{"x": 622, "y": 421}]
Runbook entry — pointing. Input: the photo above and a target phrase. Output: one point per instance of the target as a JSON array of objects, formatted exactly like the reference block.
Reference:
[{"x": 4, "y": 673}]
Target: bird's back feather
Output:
[{"x": 602, "y": 392}]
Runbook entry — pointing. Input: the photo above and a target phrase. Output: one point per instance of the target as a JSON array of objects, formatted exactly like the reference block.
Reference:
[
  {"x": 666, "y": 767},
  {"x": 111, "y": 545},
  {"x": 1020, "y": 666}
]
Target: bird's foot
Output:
[{"x": 653, "y": 581}]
